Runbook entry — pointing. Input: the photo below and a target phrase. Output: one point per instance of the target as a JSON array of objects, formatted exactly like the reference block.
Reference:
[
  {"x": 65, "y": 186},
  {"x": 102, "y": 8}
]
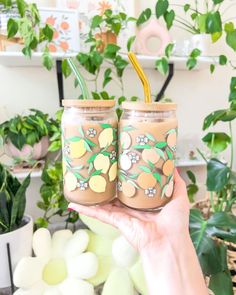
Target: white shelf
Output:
[
  {"x": 18, "y": 59},
  {"x": 148, "y": 62},
  {"x": 190, "y": 163},
  {"x": 22, "y": 175}
]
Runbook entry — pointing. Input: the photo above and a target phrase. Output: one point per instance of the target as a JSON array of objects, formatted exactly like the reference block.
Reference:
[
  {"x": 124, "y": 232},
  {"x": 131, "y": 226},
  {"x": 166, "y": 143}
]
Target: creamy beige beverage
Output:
[
  {"x": 147, "y": 148},
  {"x": 89, "y": 135}
]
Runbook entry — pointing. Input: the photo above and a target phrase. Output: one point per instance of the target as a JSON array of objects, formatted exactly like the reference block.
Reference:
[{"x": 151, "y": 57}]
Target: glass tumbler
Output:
[
  {"x": 89, "y": 144},
  {"x": 147, "y": 150}
]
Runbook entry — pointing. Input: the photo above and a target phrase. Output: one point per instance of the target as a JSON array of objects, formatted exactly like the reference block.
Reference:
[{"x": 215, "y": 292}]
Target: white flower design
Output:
[
  {"x": 134, "y": 157},
  {"x": 113, "y": 155},
  {"x": 67, "y": 150},
  {"x": 142, "y": 140},
  {"x": 59, "y": 267},
  {"x": 91, "y": 132},
  {"x": 82, "y": 185},
  {"x": 150, "y": 192},
  {"x": 119, "y": 186}
]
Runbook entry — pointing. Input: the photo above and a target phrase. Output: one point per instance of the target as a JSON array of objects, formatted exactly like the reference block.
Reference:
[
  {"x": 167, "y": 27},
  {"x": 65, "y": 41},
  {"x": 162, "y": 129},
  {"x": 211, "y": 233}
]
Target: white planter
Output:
[
  {"x": 36, "y": 152},
  {"x": 202, "y": 42},
  {"x": 20, "y": 242}
]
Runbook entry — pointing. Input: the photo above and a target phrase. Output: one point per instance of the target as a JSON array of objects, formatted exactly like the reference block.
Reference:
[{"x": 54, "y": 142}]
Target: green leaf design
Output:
[
  {"x": 90, "y": 167},
  {"x": 87, "y": 147},
  {"x": 74, "y": 139},
  {"x": 142, "y": 147},
  {"x": 169, "y": 154},
  {"x": 171, "y": 131},
  {"x": 81, "y": 131},
  {"x": 145, "y": 169},
  {"x": 104, "y": 126},
  {"x": 163, "y": 192},
  {"x": 128, "y": 128},
  {"x": 133, "y": 184},
  {"x": 122, "y": 177},
  {"x": 78, "y": 176},
  {"x": 106, "y": 154},
  {"x": 160, "y": 153},
  {"x": 92, "y": 158},
  {"x": 97, "y": 172},
  {"x": 161, "y": 144},
  {"x": 90, "y": 143},
  {"x": 150, "y": 137},
  {"x": 152, "y": 166},
  {"x": 133, "y": 176},
  {"x": 158, "y": 177}
]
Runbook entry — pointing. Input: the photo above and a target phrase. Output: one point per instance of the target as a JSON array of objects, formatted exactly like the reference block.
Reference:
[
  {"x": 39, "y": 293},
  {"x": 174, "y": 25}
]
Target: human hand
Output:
[{"x": 144, "y": 229}]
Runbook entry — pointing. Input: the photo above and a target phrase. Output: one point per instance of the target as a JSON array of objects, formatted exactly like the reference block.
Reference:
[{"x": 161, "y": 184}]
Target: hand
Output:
[{"x": 141, "y": 228}]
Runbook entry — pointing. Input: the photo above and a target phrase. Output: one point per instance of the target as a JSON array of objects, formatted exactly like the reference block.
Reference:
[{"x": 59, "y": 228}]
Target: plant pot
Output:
[
  {"x": 105, "y": 38},
  {"x": 202, "y": 42},
  {"x": 36, "y": 152},
  {"x": 20, "y": 241}
]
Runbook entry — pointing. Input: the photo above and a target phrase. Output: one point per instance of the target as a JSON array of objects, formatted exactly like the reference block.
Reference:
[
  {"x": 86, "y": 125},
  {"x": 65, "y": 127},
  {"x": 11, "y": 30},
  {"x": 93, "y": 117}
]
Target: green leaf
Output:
[
  {"x": 217, "y": 1},
  {"x": 111, "y": 50},
  {"x": 195, "y": 53},
  {"x": 107, "y": 77},
  {"x": 169, "y": 154},
  {"x": 232, "y": 95},
  {"x": 41, "y": 222},
  {"x": 221, "y": 283},
  {"x": 144, "y": 16},
  {"x": 128, "y": 128},
  {"x": 162, "y": 65},
  {"x": 222, "y": 60},
  {"x": 213, "y": 23},
  {"x": 142, "y": 147},
  {"x": 105, "y": 125},
  {"x": 191, "y": 63},
  {"x": 213, "y": 118},
  {"x": 161, "y": 153},
  {"x": 212, "y": 68},
  {"x": 105, "y": 95},
  {"x": 161, "y": 7},
  {"x": 186, "y": 7},
  {"x": 192, "y": 189},
  {"x": 161, "y": 145},
  {"x": 92, "y": 158},
  {"x": 87, "y": 147},
  {"x": 90, "y": 143},
  {"x": 12, "y": 28},
  {"x": 191, "y": 176},
  {"x": 74, "y": 139},
  {"x": 21, "y": 5},
  {"x": 217, "y": 141},
  {"x": 130, "y": 42},
  {"x": 169, "y": 17},
  {"x": 134, "y": 98},
  {"x": 150, "y": 137},
  {"x": 96, "y": 96},
  {"x": 121, "y": 100},
  {"x": 47, "y": 59},
  {"x": 145, "y": 169},
  {"x": 216, "y": 36},
  {"x": 169, "y": 49},
  {"x": 97, "y": 172},
  {"x": 48, "y": 32},
  {"x": 217, "y": 175},
  {"x": 66, "y": 70},
  {"x": 96, "y": 21},
  {"x": 158, "y": 177}
]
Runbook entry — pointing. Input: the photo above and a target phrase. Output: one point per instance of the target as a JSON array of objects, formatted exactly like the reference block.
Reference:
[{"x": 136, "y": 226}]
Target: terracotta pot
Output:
[
  {"x": 106, "y": 38},
  {"x": 36, "y": 152},
  {"x": 20, "y": 241}
]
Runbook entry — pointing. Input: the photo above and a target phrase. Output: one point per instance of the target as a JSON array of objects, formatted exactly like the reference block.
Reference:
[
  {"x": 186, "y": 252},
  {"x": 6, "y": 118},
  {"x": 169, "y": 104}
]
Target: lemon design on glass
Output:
[
  {"x": 77, "y": 149},
  {"x": 98, "y": 184},
  {"x": 106, "y": 137},
  {"x": 102, "y": 163}
]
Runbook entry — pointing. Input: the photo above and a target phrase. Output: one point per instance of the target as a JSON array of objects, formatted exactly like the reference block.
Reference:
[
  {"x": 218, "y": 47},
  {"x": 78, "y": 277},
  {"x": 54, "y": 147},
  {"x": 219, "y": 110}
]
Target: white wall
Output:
[{"x": 197, "y": 93}]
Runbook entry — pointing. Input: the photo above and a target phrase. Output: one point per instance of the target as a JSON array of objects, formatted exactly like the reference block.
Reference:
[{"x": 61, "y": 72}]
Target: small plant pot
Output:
[
  {"x": 202, "y": 42},
  {"x": 27, "y": 153},
  {"x": 105, "y": 38},
  {"x": 20, "y": 242}
]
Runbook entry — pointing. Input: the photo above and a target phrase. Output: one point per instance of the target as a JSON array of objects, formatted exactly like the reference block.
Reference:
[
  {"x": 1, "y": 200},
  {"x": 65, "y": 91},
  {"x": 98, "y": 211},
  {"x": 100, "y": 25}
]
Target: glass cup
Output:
[
  {"x": 147, "y": 150},
  {"x": 89, "y": 144}
]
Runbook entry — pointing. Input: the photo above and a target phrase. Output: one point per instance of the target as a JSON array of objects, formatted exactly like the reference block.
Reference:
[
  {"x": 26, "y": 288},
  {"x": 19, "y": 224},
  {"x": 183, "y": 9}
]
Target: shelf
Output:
[
  {"x": 34, "y": 174},
  {"x": 148, "y": 62},
  {"x": 190, "y": 163},
  {"x": 18, "y": 59}
]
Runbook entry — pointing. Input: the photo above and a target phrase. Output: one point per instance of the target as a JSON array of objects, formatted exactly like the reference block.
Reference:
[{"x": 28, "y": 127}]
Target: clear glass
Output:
[
  {"x": 89, "y": 137},
  {"x": 147, "y": 151}
]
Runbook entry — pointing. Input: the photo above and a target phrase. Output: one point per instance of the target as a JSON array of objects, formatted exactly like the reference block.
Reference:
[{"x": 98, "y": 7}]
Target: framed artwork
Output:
[
  {"x": 66, "y": 37},
  {"x": 88, "y": 8}
]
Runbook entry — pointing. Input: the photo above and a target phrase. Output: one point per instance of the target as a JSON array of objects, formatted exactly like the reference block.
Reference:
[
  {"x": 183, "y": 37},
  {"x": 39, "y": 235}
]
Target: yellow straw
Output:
[{"x": 147, "y": 90}]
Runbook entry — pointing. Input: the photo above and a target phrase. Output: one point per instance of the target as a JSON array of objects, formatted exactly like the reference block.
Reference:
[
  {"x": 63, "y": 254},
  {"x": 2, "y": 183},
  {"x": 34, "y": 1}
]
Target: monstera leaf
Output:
[{"x": 212, "y": 254}]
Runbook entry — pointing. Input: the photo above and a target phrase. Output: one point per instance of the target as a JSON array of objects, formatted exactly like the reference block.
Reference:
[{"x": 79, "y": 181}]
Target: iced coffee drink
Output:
[
  {"x": 147, "y": 149},
  {"x": 89, "y": 139}
]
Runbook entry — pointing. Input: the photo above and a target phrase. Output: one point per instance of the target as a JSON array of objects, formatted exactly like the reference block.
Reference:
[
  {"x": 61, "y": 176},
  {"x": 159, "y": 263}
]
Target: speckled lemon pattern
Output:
[
  {"x": 90, "y": 162},
  {"x": 146, "y": 163}
]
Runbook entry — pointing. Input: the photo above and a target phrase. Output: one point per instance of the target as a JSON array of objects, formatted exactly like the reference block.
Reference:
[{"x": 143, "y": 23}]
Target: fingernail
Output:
[{"x": 70, "y": 209}]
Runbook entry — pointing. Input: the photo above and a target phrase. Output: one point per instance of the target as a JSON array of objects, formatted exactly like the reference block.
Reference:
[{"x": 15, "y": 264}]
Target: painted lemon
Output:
[
  {"x": 168, "y": 168},
  {"x": 171, "y": 139},
  {"x": 125, "y": 162},
  {"x": 105, "y": 138},
  {"x": 128, "y": 189},
  {"x": 150, "y": 155},
  {"x": 102, "y": 162},
  {"x": 97, "y": 184},
  {"x": 146, "y": 180},
  {"x": 77, "y": 149},
  {"x": 70, "y": 181},
  {"x": 169, "y": 189},
  {"x": 125, "y": 140},
  {"x": 113, "y": 172}
]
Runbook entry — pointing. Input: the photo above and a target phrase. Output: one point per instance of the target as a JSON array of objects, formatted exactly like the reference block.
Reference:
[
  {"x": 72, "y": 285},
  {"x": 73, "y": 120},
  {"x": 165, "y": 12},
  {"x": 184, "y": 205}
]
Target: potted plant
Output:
[
  {"x": 26, "y": 138},
  {"x": 106, "y": 28},
  {"x": 16, "y": 229}
]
